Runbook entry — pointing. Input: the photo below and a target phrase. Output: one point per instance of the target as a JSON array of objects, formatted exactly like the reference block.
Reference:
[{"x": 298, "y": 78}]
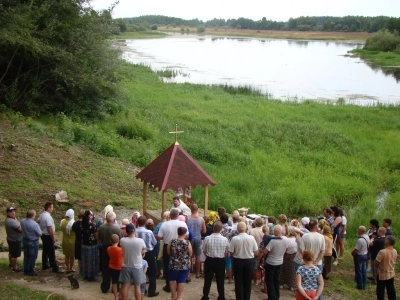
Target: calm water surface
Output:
[{"x": 286, "y": 69}]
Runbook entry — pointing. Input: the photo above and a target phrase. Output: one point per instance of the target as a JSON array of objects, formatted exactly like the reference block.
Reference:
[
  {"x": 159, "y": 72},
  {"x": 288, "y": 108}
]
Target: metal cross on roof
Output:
[{"x": 176, "y": 132}]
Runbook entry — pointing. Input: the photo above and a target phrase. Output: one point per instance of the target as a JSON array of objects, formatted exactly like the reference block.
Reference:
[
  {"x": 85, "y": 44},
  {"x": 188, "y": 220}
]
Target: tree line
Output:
[{"x": 304, "y": 23}]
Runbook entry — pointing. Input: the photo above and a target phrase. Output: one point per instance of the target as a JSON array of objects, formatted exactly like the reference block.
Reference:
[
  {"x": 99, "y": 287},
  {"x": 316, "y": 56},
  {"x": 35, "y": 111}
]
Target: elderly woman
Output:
[
  {"x": 288, "y": 274},
  {"x": 90, "y": 258},
  {"x": 157, "y": 248},
  {"x": 68, "y": 240}
]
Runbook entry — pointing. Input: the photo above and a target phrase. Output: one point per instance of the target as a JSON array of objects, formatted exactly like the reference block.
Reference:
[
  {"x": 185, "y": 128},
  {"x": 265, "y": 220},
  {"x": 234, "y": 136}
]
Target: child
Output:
[
  {"x": 143, "y": 285},
  {"x": 115, "y": 264}
]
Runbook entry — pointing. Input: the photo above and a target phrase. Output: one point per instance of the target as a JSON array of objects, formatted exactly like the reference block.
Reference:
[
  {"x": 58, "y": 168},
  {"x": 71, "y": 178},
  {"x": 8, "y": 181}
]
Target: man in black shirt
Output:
[{"x": 376, "y": 245}]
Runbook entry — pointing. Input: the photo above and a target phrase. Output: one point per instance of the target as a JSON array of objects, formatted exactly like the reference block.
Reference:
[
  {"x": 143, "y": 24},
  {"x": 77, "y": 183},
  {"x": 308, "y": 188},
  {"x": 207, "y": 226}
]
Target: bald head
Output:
[
  {"x": 278, "y": 230},
  {"x": 382, "y": 231},
  {"x": 241, "y": 228}
]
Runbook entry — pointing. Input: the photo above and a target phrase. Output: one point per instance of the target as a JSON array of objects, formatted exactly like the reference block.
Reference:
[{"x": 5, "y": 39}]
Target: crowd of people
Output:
[{"x": 264, "y": 251}]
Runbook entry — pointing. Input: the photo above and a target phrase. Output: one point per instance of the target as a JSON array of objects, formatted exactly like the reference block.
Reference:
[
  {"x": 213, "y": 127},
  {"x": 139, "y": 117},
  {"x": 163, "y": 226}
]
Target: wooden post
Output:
[
  {"x": 144, "y": 197},
  {"x": 164, "y": 203},
  {"x": 206, "y": 200}
]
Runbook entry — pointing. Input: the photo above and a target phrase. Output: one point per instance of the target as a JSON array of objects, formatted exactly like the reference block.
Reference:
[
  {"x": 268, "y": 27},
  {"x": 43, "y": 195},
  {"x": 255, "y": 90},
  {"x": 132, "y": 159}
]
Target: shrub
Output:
[
  {"x": 201, "y": 29},
  {"x": 154, "y": 27},
  {"x": 383, "y": 40}
]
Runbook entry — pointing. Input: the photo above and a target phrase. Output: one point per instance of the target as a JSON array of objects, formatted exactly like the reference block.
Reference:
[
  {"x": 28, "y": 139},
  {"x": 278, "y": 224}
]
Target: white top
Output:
[
  {"x": 292, "y": 246},
  {"x": 276, "y": 251},
  {"x": 169, "y": 230},
  {"x": 243, "y": 246},
  {"x": 132, "y": 249},
  {"x": 183, "y": 207},
  {"x": 362, "y": 244},
  {"x": 45, "y": 219},
  {"x": 344, "y": 222},
  {"x": 315, "y": 242}
]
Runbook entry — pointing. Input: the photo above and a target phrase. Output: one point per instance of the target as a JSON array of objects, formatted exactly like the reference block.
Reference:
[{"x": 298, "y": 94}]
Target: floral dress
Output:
[{"x": 179, "y": 257}]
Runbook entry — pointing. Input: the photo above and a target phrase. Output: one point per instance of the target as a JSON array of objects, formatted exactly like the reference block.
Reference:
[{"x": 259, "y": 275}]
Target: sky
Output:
[{"x": 277, "y": 10}]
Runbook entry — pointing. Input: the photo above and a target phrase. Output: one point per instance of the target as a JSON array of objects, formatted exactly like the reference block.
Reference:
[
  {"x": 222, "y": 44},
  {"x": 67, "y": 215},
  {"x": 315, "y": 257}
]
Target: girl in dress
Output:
[{"x": 309, "y": 279}]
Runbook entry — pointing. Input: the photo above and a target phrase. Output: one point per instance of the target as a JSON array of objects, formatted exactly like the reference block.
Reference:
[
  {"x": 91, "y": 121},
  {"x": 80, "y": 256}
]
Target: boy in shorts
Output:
[
  {"x": 143, "y": 285},
  {"x": 115, "y": 264}
]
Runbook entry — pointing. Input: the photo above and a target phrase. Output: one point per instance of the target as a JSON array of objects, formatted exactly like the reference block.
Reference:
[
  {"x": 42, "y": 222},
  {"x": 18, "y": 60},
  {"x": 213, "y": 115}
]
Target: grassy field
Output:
[
  {"x": 271, "y": 156},
  {"x": 140, "y": 35},
  {"x": 378, "y": 58},
  {"x": 13, "y": 291},
  {"x": 277, "y": 34}
]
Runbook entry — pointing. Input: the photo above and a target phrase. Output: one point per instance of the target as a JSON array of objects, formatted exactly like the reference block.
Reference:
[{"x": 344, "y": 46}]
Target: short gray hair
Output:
[
  {"x": 174, "y": 213},
  {"x": 111, "y": 216}
]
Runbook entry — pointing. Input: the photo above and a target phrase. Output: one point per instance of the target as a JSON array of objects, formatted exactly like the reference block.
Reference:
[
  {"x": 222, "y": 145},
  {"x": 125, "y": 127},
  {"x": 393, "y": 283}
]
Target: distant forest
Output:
[{"x": 347, "y": 24}]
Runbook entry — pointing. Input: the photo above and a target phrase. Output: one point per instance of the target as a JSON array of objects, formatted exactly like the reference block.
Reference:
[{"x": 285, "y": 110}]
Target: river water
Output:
[{"x": 285, "y": 69}]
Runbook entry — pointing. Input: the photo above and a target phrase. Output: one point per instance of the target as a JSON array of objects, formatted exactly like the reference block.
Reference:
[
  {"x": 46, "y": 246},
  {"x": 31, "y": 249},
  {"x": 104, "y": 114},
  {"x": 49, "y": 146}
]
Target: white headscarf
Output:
[{"x": 70, "y": 215}]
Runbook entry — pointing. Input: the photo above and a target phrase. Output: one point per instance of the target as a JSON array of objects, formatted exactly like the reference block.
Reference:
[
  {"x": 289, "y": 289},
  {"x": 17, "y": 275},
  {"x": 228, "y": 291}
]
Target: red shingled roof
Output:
[{"x": 174, "y": 168}]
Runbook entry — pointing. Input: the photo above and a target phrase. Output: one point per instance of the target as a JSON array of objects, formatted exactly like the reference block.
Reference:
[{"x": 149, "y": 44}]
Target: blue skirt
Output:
[{"x": 89, "y": 261}]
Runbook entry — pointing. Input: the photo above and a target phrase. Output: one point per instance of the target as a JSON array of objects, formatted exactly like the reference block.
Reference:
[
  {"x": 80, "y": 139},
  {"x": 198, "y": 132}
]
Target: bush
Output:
[
  {"x": 154, "y": 27},
  {"x": 383, "y": 40},
  {"x": 201, "y": 29}
]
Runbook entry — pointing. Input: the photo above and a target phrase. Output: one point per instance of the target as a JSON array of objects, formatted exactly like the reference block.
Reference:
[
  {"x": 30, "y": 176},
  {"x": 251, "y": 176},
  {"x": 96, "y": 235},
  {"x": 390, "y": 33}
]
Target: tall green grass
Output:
[{"x": 272, "y": 156}]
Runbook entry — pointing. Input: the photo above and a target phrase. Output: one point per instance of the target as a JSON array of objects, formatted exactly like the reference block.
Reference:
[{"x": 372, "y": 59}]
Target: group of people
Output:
[{"x": 298, "y": 254}]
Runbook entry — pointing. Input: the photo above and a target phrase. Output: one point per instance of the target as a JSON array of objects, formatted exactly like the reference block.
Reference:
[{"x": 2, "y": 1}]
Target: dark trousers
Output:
[
  {"x": 360, "y": 268},
  {"x": 105, "y": 259},
  {"x": 31, "y": 249},
  {"x": 166, "y": 266},
  {"x": 242, "y": 270},
  {"x": 380, "y": 289},
  {"x": 214, "y": 266},
  {"x": 151, "y": 271},
  {"x": 49, "y": 254},
  {"x": 272, "y": 274}
]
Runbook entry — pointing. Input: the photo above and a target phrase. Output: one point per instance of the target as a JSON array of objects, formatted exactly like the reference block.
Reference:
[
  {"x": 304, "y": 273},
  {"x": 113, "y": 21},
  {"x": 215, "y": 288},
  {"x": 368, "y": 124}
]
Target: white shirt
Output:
[
  {"x": 169, "y": 230},
  {"x": 315, "y": 242},
  {"x": 45, "y": 220},
  {"x": 292, "y": 246},
  {"x": 243, "y": 246},
  {"x": 344, "y": 222},
  {"x": 132, "y": 249},
  {"x": 276, "y": 251}
]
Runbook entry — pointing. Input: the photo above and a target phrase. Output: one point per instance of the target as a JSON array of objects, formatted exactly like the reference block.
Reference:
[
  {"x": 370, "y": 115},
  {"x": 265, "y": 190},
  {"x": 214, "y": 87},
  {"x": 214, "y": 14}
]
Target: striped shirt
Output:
[
  {"x": 148, "y": 237},
  {"x": 215, "y": 246}
]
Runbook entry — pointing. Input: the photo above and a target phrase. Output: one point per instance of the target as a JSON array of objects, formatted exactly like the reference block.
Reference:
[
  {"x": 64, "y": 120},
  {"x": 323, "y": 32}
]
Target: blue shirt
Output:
[
  {"x": 148, "y": 237},
  {"x": 30, "y": 229}
]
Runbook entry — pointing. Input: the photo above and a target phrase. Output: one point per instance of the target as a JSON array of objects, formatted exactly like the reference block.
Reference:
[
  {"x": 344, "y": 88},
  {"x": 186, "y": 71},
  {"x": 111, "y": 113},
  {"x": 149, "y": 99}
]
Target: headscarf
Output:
[
  {"x": 327, "y": 231},
  {"x": 107, "y": 210},
  {"x": 70, "y": 214},
  {"x": 135, "y": 218},
  {"x": 322, "y": 223},
  {"x": 212, "y": 216},
  {"x": 305, "y": 221},
  {"x": 182, "y": 218}
]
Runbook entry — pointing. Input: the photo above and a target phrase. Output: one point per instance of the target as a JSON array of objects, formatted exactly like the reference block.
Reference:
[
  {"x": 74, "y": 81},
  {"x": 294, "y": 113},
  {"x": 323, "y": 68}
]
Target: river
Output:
[{"x": 283, "y": 69}]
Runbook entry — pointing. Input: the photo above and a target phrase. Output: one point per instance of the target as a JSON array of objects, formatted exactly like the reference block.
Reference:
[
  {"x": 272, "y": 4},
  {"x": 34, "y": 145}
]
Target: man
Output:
[
  {"x": 385, "y": 263},
  {"x": 14, "y": 238},
  {"x": 177, "y": 203},
  {"x": 328, "y": 217},
  {"x": 31, "y": 233},
  {"x": 150, "y": 241},
  {"x": 243, "y": 247},
  {"x": 215, "y": 248},
  {"x": 105, "y": 231},
  {"x": 376, "y": 245},
  {"x": 197, "y": 226},
  {"x": 315, "y": 242},
  {"x": 360, "y": 255},
  {"x": 275, "y": 249},
  {"x": 387, "y": 223},
  {"x": 46, "y": 223},
  {"x": 168, "y": 232},
  {"x": 132, "y": 269}
]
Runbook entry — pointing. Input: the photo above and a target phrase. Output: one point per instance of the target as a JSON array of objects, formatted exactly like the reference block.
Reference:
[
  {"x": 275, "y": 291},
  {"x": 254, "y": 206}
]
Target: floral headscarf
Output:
[
  {"x": 212, "y": 216},
  {"x": 135, "y": 218}
]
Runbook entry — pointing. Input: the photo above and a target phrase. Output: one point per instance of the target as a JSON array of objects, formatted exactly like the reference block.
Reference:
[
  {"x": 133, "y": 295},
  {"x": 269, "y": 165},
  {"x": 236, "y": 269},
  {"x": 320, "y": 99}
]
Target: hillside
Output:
[{"x": 33, "y": 171}]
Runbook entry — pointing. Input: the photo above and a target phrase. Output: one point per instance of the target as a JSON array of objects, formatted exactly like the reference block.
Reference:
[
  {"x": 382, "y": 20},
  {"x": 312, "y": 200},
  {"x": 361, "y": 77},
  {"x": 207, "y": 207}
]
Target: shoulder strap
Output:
[{"x": 361, "y": 237}]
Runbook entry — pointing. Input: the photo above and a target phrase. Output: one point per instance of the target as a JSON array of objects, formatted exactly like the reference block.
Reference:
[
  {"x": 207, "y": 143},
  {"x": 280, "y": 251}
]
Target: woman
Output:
[
  {"x": 337, "y": 228},
  {"x": 258, "y": 234},
  {"x": 309, "y": 279},
  {"x": 283, "y": 222},
  {"x": 135, "y": 218},
  {"x": 288, "y": 274},
  {"x": 100, "y": 222},
  {"x": 342, "y": 236},
  {"x": 180, "y": 251},
  {"x": 123, "y": 227},
  {"x": 68, "y": 240},
  {"x": 90, "y": 257},
  {"x": 76, "y": 227},
  {"x": 327, "y": 233},
  {"x": 157, "y": 249}
]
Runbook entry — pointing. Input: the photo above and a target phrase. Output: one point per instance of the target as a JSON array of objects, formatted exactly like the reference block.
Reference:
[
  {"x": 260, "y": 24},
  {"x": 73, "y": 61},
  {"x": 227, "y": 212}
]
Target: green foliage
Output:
[
  {"x": 14, "y": 291},
  {"x": 201, "y": 29},
  {"x": 154, "y": 27},
  {"x": 55, "y": 57},
  {"x": 383, "y": 40},
  {"x": 393, "y": 24}
]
